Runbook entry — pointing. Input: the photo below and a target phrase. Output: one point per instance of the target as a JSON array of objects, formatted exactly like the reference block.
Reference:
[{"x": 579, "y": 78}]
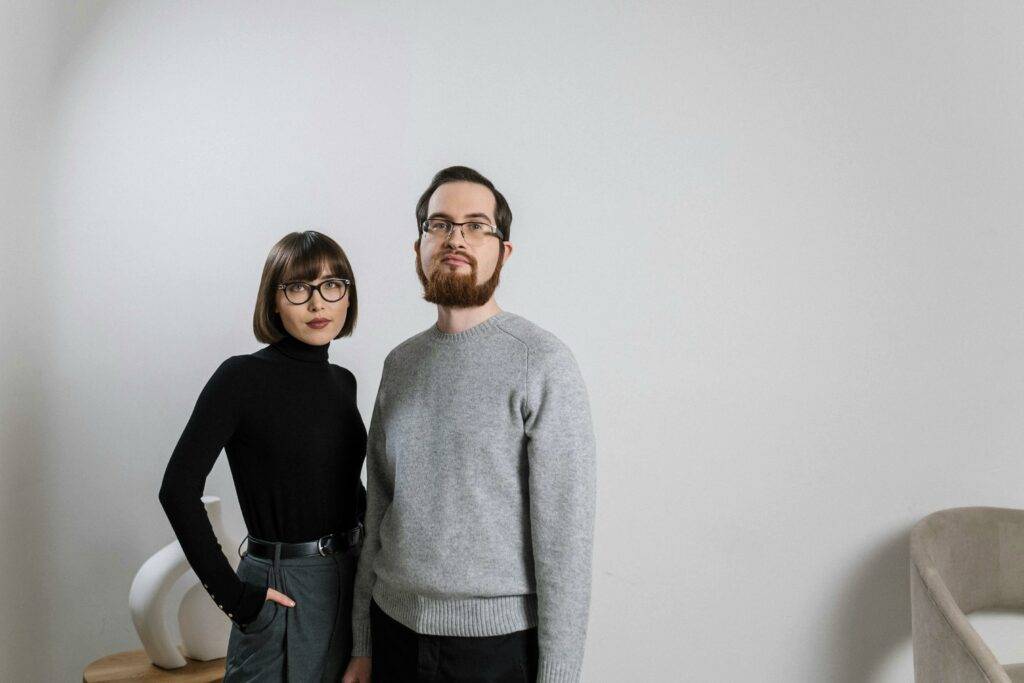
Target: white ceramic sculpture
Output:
[{"x": 203, "y": 626}]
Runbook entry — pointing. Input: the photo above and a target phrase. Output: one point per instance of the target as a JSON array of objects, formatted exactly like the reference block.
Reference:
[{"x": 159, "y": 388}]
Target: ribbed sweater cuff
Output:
[
  {"x": 362, "y": 645},
  {"x": 557, "y": 672}
]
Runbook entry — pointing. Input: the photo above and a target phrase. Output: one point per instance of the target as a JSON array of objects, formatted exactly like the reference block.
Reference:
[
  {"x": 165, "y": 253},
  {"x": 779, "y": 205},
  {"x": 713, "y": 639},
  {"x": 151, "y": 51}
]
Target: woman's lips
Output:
[{"x": 318, "y": 324}]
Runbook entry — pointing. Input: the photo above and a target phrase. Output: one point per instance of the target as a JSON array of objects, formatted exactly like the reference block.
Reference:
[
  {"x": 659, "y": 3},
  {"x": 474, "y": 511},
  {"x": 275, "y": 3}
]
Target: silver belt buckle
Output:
[{"x": 320, "y": 545}]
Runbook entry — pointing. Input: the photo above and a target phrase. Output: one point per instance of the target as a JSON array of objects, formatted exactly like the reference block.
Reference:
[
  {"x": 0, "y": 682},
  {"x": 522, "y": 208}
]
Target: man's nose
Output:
[{"x": 456, "y": 229}]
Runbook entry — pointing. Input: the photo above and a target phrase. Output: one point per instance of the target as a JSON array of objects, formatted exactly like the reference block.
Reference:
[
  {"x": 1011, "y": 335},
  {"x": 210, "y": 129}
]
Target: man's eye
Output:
[{"x": 476, "y": 227}]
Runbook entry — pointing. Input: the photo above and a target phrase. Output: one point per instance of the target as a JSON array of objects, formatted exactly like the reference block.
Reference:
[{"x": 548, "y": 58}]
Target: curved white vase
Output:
[{"x": 203, "y": 626}]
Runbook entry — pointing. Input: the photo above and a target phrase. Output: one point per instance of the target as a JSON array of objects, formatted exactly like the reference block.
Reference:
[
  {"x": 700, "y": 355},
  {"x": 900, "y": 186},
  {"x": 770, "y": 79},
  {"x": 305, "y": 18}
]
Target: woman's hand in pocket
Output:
[
  {"x": 280, "y": 598},
  {"x": 358, "y": 671}
]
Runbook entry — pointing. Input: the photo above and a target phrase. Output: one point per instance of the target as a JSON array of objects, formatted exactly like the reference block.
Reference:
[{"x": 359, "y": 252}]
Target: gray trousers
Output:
[{"x": 309, "y": 642}]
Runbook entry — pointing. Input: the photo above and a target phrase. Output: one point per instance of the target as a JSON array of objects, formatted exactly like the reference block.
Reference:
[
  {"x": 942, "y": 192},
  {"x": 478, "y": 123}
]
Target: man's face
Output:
[{"x": 454, "y": 273}]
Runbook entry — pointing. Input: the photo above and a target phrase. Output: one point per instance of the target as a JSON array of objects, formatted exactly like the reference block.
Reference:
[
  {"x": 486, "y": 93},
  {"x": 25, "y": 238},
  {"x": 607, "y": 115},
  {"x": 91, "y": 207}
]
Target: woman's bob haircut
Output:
[{"x": 300, "y": 256}]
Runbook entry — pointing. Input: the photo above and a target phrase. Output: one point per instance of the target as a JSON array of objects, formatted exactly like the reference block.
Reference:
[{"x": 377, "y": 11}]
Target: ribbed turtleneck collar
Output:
[
  {"x": 470, "y": 333},
  {"x": 300, "y": 350}
]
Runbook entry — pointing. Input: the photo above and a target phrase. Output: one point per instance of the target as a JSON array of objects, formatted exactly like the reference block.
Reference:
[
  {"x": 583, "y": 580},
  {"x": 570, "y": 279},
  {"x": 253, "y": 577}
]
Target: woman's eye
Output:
[{"x": 296, "y": 287}]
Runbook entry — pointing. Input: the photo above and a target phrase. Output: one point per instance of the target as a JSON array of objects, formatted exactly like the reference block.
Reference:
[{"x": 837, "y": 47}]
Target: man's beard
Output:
[{"x": 451, "y": 288}]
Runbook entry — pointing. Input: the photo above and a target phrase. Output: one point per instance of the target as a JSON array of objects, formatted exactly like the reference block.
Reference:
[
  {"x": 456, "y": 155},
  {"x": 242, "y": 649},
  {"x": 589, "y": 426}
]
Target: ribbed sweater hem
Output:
[{"x": 483, "y": 616}]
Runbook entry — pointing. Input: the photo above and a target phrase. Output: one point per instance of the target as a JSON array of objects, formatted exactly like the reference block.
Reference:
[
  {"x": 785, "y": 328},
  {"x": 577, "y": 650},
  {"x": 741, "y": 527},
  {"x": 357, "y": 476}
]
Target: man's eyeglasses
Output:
[
  {"x": 474, "y": 232},
  {"x": 298, "y": 292}
]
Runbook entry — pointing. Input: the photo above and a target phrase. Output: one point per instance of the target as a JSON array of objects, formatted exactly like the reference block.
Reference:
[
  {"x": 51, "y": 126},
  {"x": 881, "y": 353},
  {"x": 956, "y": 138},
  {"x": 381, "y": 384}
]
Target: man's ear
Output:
[{"x": 508, "y": 248}]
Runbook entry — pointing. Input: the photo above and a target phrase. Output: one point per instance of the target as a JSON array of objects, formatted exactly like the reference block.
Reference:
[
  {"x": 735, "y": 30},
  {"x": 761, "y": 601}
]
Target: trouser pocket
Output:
[{"x": 256, "y": 653}]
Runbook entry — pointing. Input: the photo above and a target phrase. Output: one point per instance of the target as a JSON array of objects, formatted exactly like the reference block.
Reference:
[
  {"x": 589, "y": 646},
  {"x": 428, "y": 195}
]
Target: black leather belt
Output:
[{"x": 323, "y": 546}]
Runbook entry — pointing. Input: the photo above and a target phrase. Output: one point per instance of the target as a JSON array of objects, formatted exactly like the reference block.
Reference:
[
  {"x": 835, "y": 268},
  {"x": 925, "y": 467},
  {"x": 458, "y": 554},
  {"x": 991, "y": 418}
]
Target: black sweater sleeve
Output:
[
  {"x": 213, "y": 421},
  {"x": 360, "y": 488},
  {"x": 361, "y": 503}
]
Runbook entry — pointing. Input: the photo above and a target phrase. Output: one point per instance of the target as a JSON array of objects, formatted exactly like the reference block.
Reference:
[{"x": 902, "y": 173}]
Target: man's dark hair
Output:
[{"x": 502, "y": 214}]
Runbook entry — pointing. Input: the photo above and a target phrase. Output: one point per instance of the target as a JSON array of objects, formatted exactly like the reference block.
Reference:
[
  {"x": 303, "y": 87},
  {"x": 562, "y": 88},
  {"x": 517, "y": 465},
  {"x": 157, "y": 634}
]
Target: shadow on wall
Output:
[
  {"x": 871, "y": 615},
  {"x": 78, "y": 22},
  {"x": 50, "y": 37}
]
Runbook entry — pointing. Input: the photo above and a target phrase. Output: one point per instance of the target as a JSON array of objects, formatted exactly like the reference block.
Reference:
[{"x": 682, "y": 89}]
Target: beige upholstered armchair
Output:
[{"x": 962, "y": 560}]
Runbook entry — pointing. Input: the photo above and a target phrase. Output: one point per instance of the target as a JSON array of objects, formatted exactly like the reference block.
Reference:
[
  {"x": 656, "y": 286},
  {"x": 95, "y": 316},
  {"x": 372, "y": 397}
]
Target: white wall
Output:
[{"x": 783, "y": 240}]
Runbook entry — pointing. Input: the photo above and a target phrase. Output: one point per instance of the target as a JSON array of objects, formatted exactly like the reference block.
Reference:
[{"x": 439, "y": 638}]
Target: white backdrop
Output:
[{"x": 783, "y": 240}]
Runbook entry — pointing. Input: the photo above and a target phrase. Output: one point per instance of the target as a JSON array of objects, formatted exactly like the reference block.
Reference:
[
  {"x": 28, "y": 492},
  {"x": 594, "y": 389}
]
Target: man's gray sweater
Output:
[{"x": 481, "y": 491}]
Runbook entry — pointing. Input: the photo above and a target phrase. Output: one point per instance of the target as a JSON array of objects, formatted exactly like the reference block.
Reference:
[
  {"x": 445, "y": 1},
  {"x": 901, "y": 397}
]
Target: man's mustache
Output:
[{"x": 440, "y": 256}]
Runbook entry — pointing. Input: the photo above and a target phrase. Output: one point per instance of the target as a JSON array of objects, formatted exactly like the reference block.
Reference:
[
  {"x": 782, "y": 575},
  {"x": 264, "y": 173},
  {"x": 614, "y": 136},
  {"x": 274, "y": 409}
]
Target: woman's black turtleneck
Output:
[{"x": 295, "y": 442}]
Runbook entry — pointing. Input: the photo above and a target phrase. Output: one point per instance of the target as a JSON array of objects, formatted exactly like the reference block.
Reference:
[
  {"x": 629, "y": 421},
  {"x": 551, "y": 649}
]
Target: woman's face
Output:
[{"x": 296, "y": 317}]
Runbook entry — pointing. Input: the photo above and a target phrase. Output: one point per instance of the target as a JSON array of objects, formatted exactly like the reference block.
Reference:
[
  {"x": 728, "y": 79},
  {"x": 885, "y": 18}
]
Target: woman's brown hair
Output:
[{"x": 300, "y": 256}]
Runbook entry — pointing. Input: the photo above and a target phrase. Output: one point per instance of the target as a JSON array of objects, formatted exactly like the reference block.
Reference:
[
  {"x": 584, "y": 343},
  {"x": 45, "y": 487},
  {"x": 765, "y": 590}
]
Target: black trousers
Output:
[{"x": 400, "y": 655}]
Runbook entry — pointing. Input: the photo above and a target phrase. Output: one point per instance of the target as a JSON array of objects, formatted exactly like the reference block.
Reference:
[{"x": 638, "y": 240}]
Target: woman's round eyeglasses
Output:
[{"x": 298, "y": 292}]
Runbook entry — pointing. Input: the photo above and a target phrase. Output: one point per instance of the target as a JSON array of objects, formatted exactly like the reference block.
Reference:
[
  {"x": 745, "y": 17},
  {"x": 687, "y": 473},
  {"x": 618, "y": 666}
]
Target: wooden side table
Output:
[{"x": 135, "y": 666}]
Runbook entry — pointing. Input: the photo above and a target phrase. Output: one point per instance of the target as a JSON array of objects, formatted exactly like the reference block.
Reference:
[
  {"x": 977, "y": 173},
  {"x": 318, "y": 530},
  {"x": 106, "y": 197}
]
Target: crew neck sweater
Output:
[
  {"x": 481, "y": 491},
  {"x": 295, "y": 442}
]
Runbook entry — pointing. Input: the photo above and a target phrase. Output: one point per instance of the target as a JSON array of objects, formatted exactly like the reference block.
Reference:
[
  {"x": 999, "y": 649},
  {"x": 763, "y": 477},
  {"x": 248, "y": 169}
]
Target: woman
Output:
[{"x": 295, "y": 443}]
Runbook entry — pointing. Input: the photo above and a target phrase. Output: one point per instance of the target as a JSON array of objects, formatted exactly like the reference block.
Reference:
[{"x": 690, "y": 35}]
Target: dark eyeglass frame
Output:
[
  {"x": 495, "y": 230},
  {"x": 312, "y": 288}
]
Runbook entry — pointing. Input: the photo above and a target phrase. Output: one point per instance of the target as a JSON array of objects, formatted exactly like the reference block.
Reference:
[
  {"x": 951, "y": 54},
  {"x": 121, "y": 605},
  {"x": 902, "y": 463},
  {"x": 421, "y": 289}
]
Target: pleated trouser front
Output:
[{"x": 311, "y": 641}]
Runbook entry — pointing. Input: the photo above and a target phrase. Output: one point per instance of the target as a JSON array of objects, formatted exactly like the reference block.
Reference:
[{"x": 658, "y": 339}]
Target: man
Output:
[{"x": 476, "y": 563}]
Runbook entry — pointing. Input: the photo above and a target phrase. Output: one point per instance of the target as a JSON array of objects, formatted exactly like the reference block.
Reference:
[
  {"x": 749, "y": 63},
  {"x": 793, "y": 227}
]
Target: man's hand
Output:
[{"x": 358, "y": 671}]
